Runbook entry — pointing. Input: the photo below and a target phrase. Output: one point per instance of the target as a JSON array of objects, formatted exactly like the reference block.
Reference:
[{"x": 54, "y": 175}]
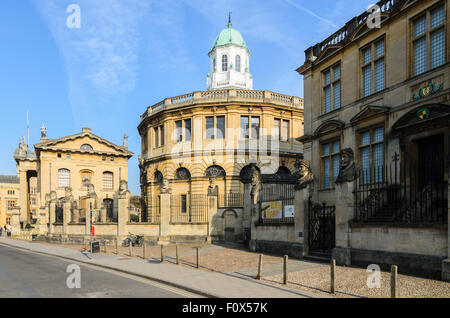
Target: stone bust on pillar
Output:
[
  {"x": 164, "y": 188},
  {"x": 213, "y": 189},
  {"x": 256, "y": 185},
  {"x": 304, "y": 174},
  {"x": 53, "y": 197},
  {"x": 91, "y": 191},
  {"x": 68, "y": 197},
  {"x": 349, "y": 170},
  {"x": 123, "y": 189}
]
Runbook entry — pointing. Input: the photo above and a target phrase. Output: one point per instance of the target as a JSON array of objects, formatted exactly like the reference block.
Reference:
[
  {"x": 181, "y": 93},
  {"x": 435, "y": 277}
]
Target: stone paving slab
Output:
[{"x": 219, "y": 285}]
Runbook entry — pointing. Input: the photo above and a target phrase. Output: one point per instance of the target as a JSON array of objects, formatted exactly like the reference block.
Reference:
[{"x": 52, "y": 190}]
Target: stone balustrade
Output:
[{"x": 228, "y": 95}]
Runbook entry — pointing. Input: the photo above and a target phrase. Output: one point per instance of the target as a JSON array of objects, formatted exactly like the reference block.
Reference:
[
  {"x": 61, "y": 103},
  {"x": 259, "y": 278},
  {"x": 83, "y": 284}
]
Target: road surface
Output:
[{"x": 26, "y": 274}]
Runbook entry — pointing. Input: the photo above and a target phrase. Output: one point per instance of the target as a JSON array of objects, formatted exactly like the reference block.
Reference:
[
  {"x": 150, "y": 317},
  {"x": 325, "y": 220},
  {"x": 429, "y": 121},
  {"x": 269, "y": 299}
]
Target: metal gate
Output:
[
  {"x": 59, "y": 212},
  {"x": 322, "y": 229},
  {"x": 109, "y": 207}
]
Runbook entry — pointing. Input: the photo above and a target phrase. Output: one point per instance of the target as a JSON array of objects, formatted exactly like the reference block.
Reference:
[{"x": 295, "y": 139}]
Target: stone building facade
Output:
[
  {"x": 9, "y": 196},
  {"x": 377, "y": 109},
  {"x": 75, "y": 167},
  {"x": 201, "y": 145}
]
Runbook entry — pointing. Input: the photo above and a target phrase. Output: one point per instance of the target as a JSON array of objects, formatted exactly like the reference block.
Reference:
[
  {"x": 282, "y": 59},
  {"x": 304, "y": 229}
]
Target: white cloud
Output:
[
  {"x": 103, "y": 50},
  {"x": 296, "y": 5}
]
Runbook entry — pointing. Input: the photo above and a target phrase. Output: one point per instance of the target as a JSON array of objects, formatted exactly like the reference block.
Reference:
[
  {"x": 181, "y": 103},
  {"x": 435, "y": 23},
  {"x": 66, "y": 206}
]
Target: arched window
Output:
[
  {"x": 108, "y": 181},
  {"x": 215, "y": 171},
  {"x": 87, "y": 147},
  {"x": 182, "y": 174},
  {"x": 158, "y": 177},
  {"x": 63, "y": 178},
  {"x": 214, "y": 64},
  {"x": 238, "y": 63},
  {"x": 283, "y": 171},
  {"x": 224, "y": 63}
]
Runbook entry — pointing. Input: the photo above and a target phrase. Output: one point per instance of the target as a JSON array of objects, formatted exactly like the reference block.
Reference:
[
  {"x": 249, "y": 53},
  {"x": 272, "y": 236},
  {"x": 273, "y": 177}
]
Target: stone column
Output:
[
  {"x": 344, "y": 213},
  {"x": 164, "y": 229},
  {"x": 212, "y": 215},
  {"x": 15, "y": 223}
]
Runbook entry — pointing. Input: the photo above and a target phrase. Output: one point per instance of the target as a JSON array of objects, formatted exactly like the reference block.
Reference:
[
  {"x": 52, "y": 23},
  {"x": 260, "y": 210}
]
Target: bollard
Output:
[
  {"x": 162, "y": 253},
  {"x": 259, "y": 276},
  {"x": 130, "y": 249},
  {"x": 144, "y": 251},
  {"x": 178, "y": 256},
  {"x": 104, "y": 245},
  {"x": 333, "y": 276},
  {"x": 394, "y": 272},
  {"x": 285, "y": 270},
  {"x": 117, "y": 246},
  {"x": 198, "y": 257}
]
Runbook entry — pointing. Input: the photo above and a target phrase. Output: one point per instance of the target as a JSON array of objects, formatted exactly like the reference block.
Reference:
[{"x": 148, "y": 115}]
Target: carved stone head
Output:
[
  {"x": 212, "y": 182},
  {"x": 349, "y": 171},
  {"x": 123, "y": 187},
  {"x": 68, "y": 192},
  {"x": 86, "y": 181},
  {"x": 47, "y": 198},
  {"x": 53, "y": 196},
  {"x": 91, "y": 190},
  {"x": 347, "y": 158},
  {"x": 165, "y": 185},
  {"x": 304, "y": 173}
]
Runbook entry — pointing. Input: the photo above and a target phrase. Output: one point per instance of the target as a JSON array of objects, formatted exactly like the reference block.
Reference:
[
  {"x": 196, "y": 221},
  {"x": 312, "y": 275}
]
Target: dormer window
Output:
[
  {"x": 224, "y": 63},
  {"x": 87, "y": 147}
]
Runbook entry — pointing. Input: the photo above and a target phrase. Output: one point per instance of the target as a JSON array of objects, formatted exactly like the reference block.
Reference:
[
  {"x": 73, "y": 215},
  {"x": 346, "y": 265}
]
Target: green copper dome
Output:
[{"x": 229, "y": 36}]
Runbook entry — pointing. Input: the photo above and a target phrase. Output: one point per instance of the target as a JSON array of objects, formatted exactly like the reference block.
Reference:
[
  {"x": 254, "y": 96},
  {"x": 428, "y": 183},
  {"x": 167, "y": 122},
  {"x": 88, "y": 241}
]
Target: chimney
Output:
[{"x": 86, "y": 130}]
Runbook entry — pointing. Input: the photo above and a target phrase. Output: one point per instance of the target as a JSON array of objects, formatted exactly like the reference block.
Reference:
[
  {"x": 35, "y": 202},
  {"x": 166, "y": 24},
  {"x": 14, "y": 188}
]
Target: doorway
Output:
[{"x": 431, "y": 163}]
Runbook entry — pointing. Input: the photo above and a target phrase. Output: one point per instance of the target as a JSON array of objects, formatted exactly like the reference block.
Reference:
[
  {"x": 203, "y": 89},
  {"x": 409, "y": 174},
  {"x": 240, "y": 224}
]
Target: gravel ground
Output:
[{"x": 350, "y": 282}]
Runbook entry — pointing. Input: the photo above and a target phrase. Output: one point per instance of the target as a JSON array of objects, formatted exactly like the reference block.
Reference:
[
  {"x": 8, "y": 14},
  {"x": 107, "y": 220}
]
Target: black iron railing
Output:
[{"x": 405, "y": 194}]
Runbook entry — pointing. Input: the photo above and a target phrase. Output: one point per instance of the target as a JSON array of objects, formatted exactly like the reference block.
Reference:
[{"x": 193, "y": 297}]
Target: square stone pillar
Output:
[
  {"x": 246, "y": 217},
  {"x": 23, "y": 196},
  {"x": 67, "y": 207},
  {"x": 212, "y": 214},
  {"x": 301, "y": 220},
  {"x": 52, "y": 213},
  {"x": 164, "y": 227},
  {"x": 103, "y": 215},
  {"x": 345, "y": 205},
  {"x": 15, "y": 223},
  {"x": 123, "y": 218}
]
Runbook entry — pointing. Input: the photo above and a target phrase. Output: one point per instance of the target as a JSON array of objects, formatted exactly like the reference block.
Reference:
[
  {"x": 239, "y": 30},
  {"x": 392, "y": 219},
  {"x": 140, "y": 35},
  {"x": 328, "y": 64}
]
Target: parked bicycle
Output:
[{"x": 134, "y": 240}]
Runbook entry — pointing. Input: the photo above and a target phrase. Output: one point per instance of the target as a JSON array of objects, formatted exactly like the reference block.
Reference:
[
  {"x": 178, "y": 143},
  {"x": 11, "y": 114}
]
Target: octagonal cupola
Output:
[{"x": 229, "y": 61}]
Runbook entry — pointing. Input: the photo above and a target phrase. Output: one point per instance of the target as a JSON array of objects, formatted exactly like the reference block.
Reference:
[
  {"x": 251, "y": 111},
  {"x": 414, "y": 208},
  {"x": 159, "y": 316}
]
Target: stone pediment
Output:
[
  {"x": 363, "y": 29},
  {"x": 368, "y": 112},
  {"x": 85, "y": 142},
  {"x": 421, "y": 115},
  {"x": 329, "y": 50},
  {"x": 329, "y": 126}
]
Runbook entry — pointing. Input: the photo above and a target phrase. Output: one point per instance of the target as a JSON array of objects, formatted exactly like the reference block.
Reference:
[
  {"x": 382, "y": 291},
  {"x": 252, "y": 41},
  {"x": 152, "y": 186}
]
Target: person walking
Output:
[
  {"x": 9, "y": 230},
  {"x": 1, "y": 231}
]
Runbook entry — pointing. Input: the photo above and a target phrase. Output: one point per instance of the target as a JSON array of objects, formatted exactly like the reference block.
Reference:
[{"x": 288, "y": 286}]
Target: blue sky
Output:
[{"x": 129, "y": 54}]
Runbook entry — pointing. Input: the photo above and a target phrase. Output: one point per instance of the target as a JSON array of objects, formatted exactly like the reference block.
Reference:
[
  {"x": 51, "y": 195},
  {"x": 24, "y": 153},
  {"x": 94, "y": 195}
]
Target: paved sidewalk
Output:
[{"x": 209, "y": 284}]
